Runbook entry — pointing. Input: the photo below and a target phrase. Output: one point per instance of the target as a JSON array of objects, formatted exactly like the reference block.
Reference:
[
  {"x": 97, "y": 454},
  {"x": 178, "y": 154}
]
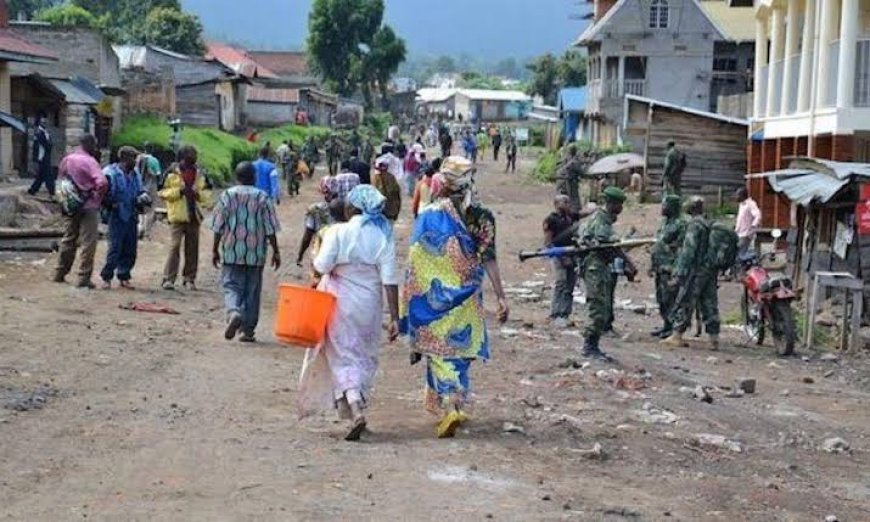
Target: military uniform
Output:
[
  {"x": 597, "y": 272},
  {"x": 672, "y": 179},
  {"x": 692, "y": 269},
  {"x": 333, "y": 154},
  {"x": 568, "y": 180},
  {"x": 669, "y": 239}
]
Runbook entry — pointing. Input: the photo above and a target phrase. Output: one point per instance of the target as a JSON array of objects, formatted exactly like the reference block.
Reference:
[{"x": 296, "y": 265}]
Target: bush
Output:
[
  {"x": 67, "y": 15},
  {"x": 545, "y": 168},
  {"x": 219, "y": 151},
  {"x": 295, "y": 133}
]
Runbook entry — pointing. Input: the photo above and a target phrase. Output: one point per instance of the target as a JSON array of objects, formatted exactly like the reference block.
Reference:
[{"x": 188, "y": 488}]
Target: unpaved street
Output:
[{"x": 135, "y": 416}]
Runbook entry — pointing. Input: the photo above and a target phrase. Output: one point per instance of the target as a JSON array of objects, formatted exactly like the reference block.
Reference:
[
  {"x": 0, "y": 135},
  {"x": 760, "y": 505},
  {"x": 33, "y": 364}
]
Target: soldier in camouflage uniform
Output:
[
  {"x": 597, "y": 271},
  {"x": 333, "y": 154},
  {"x": 696, "y": 281},
  {"x": 675, "y": 164},
  {"x": 568, "y": 176},
  {"x": 664, "y": 253}
]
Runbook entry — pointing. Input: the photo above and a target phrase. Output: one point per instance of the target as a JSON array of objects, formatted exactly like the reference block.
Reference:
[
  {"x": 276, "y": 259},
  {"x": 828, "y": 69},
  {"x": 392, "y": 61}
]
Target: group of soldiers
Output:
[
  {"x": 294, "y": 165},
  {"x": 686, "y": 277}
]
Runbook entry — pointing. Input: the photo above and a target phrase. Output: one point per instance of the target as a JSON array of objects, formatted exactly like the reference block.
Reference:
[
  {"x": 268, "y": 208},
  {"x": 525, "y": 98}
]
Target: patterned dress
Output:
[{"x": 442, "y": 306}]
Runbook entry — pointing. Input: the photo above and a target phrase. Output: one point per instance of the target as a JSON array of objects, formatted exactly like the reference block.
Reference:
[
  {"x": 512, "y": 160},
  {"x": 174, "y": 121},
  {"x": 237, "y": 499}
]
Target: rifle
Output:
[{"x": 579, "y": 250}]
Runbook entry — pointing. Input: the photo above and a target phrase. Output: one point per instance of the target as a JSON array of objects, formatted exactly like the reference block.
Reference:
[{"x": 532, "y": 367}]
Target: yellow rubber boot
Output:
[{"x": 449, "y": 423}]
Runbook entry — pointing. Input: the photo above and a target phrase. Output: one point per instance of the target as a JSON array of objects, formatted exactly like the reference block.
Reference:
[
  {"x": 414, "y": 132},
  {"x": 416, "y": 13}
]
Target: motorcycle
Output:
[{"x": 767, "y": 298}]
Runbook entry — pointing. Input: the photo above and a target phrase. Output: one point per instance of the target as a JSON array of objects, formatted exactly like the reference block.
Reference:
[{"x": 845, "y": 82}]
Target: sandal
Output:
[{"x": 356, "y": 431}]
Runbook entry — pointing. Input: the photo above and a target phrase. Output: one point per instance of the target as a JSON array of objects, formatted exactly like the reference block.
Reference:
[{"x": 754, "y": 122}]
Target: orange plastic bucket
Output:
[{"x": 302, "y": 315}]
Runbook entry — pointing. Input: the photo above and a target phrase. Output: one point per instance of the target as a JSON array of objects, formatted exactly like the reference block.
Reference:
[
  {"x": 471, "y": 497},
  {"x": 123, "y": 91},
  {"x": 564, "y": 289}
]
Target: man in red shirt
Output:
[{"x": 82, "y": 169}]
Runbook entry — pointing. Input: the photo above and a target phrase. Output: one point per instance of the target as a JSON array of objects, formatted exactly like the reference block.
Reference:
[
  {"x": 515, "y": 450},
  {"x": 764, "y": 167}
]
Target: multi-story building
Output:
[{"x": 683, "y": 52}]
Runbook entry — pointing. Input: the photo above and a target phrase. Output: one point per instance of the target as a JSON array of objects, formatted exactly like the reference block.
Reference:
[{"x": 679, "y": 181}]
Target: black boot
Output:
[{"x": 592, "y": 351}]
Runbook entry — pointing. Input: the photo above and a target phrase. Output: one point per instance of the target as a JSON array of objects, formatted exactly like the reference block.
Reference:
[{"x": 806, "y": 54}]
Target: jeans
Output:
[
  {"x": 123, "y": 246},
  {"x": 563, "y": 290},
  {"x": 189, "y": 234},
  {"x": 43, "y": 175},
  {"x": 242, "y": 287},
  {"x": 81, "y": 228}
]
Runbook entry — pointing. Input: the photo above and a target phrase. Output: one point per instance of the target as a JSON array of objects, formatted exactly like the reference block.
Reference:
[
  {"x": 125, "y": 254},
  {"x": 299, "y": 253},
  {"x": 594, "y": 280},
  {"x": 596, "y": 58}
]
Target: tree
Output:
[
  {"x": 29, "y": 8},
  {"x": 445, "y": 64},
  {"x": 123, "y": 21},
  {"x": 67, "y": 15},
  {"x": 171, "y": 29},
  {"x": 572, "y": 69},
  {"x": 545, "y": 78},
  {"x": 508, "y": 68},
  {"x": 351, "y": 48},
  {"x": 386, "y": 55}
]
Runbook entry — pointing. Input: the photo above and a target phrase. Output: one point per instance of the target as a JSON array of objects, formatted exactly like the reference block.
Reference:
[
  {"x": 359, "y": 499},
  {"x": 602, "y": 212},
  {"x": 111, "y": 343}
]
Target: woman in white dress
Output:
[{"x": 357, "y": 259}]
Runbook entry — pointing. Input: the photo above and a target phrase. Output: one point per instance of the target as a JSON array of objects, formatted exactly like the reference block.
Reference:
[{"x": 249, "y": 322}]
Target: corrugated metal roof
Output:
[
  {"x": 238, "y": 60},
  {"x": 688, "y": 110},
  {"x": 434, "y": 95},
  {"x": 494, "y": 95},
  {"x": 16, "y": 48},
  {"x": 809, "y": 180},
  {"x": 572, "y": 99},
  {"x": 737, "y": 24},
  {"x": 78, "y": 90}
]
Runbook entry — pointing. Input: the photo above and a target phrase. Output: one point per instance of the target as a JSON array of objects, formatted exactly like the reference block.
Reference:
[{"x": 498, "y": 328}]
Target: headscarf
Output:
[
  {"x": 457, "y": 176},
  {"x": 371, "y": 202},
  {"x": 328, "y": 185}
]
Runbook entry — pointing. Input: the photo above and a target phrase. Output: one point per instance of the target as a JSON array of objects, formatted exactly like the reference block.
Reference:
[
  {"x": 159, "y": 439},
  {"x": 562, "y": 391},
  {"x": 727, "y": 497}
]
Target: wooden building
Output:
[
  {"x": 714, "y": 144},
  {"x": 271, "y": 107}
]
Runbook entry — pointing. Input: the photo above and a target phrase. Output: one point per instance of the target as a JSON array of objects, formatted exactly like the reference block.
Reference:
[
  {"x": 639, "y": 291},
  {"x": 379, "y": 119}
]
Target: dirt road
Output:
[{"x": 133, "y": 416}]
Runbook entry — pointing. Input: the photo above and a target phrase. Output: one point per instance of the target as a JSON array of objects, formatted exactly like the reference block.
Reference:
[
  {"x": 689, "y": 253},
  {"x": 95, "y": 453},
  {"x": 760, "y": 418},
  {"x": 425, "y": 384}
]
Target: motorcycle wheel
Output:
[
  {"x": 784, "y": 329},
  {"x": 753, "y": 323}
]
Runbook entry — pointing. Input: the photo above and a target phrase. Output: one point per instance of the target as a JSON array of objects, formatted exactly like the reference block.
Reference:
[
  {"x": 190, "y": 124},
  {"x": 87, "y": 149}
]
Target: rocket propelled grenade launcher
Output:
[{"x": 557, "y": 252}]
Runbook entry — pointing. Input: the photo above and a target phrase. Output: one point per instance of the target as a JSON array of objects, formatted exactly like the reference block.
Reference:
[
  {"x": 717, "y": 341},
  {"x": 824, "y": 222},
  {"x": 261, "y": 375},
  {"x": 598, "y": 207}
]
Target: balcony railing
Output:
[
  {"x": 635, "y": 87},
  {"x": 610, "y": 88}
]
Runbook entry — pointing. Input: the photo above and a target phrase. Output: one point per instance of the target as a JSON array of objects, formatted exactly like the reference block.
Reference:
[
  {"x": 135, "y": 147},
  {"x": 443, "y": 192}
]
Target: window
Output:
[
  {"x": 658, "y": 14},
  {"x": 725, "y": 65}
]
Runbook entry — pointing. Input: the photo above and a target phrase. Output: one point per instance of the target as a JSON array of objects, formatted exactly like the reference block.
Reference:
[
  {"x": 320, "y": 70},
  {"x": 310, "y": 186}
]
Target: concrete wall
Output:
[
  {"x": 149, "y": 93},
  {"x": 270, "y": 114},
  {"x": 679, "y": 58}
]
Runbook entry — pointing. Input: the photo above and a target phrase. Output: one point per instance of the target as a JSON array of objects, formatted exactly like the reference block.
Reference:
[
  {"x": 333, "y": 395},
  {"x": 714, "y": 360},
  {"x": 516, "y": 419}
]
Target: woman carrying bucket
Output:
[{"x": 356, "y": 259}]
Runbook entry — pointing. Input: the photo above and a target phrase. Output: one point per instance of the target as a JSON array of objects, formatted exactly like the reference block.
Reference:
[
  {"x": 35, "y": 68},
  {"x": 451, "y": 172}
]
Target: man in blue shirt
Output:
[
  {"x": 268, "y": 178},
  {"x": 122, "y": 203}
]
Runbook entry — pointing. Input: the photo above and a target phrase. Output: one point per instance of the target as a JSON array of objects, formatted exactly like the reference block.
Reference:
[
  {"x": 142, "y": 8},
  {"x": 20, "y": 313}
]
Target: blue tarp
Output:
[{"x": 572, "y": 99}]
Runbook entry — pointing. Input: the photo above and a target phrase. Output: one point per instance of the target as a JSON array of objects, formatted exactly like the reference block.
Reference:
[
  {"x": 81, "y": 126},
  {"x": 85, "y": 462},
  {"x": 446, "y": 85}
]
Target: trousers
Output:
[
  {"x": 666, "y": 295},
  {"x": 188, "y": 233},
  {"x": 82, "y": 228},
  {"x": 45, "y": 175},
  {"x": 123, "y": 247},
  {"x": 599, "y": 300},
  {"x": 562, "y": 304},
  {"x": 703, "y": 295},
  {"x": 243, "y": 286}
]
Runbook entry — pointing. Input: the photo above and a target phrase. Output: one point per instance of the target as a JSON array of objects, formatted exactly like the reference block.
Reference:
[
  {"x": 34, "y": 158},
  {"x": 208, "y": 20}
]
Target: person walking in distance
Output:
[
  {"x": 186, "y": 195},
  {"x": 748, "y": 221},
  {"x": 82, "y": 171},
  {"x": 42, "y": 157},
  {"x": 123, "y": 201},
  {"x": 496, "y": 144},
  {"x": 244, "y": 226},
  {"x": 511, "y": 152}
]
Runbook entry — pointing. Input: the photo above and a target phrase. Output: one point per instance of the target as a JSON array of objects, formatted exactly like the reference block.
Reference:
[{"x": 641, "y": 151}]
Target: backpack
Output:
[{"x": 721, "y": 247}]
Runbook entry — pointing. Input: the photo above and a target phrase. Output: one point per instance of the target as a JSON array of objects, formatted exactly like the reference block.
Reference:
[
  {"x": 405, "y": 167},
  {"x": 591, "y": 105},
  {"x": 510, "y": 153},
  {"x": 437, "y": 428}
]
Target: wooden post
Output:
[
  {"x": 645, "y": 184},
  {"x": 857, "y": 312}
]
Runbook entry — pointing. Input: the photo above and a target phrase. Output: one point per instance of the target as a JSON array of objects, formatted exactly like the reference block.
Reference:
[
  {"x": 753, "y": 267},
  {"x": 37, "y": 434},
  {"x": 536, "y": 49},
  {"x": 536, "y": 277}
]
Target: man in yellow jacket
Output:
[{"x": 186, "y": 194}]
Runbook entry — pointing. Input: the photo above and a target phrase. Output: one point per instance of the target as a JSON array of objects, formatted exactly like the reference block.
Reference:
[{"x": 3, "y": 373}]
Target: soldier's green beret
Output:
[
  {"x": 614, "y": 194},
  {"x": 672, "y": 201}
]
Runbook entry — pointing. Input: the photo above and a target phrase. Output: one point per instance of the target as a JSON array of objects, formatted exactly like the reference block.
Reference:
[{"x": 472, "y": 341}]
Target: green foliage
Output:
[
  {"x": 545, "y": 168},
  {"x": 218, "y": 150},
  {"x": 445, "y": 64},
  {"x": 67, "y": 15},
  {"x": 174, "y": 30},
  {"x": 572, "y": 69},
  {"x": 545, "y": 78},
  {"x": 350, "y": 47},
  {"x": 474, "y": 80},
  {"x": 375, "y": 125},
  {"x": 296, "y": 134},
  {"x": 29, "y": 7}
]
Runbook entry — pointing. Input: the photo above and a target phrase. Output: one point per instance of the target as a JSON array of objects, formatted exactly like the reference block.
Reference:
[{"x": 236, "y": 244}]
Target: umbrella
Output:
[{"x": 616, "y": 163}]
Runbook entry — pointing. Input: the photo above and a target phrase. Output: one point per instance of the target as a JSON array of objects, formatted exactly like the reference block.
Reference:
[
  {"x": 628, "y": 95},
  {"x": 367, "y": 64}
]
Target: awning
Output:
[
  {"x": 8, "y": 120},
  {"x": 809, "y": 180},
  {"x": 78, "y": 90}
]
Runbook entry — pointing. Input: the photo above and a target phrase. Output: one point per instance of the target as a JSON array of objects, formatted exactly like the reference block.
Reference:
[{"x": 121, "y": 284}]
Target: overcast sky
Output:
[{"x": 486, "y": 28}]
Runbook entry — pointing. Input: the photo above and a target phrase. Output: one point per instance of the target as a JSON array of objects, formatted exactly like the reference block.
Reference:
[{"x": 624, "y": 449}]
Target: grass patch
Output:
[
  {"x": 822, "y": 335},
  {"x": 545, "y": 168},
  {"x": 294, "y": 133},
  {"x": 219, "y": 151}
]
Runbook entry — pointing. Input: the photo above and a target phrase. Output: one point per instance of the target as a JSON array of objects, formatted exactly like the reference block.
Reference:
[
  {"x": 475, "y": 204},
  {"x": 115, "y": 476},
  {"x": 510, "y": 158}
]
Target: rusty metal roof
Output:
[
  {"x": 809, "y": 180},
  {"x": 14, "y": 48}
]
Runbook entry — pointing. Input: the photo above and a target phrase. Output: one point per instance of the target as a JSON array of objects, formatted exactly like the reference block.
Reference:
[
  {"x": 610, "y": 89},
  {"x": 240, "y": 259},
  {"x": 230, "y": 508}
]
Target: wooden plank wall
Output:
[
  {"x": 198, "y": 105},
  {"x": 715, "y": 151}
]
